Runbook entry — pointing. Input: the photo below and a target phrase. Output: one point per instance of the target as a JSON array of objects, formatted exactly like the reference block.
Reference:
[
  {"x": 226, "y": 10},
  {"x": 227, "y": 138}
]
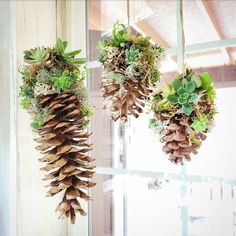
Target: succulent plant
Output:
[
  {"x": 69, "y": 56},
  {"x": 184, "y": 95},
  {"x": 36, "y": 55},
  {"x": 132, "y": 55},
  {"x": 63, "y": 82},
  {"x": 119, "y": 35},
  {"x": 199, "y": 123}
]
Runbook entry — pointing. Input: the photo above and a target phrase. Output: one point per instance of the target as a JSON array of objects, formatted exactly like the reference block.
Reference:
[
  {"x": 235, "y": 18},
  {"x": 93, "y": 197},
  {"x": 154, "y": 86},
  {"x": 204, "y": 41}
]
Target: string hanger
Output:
[
  {"x": 128, "y": 15},
  {"x": 182, "y": 35}
]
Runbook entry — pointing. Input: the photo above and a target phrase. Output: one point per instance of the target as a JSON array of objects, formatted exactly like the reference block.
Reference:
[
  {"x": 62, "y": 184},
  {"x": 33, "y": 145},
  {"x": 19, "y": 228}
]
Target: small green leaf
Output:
[
  {"x": 54, "y": 79},
  {"x": 24, "y": 103},
  {"x": 190, "y": 75},
  {"x": 85, "y": 123},
  {"x": 190, "y": 86},
  {"x": 86, "y": 110},
  {"x": 26, "y": 92},
  {"x": 194, "y": 139},
  {"x": 211, "y": 93},
  {"x": 65, "y": 73},
  {"x": 187, "y": 109},
  {"x": 38, "y": 121},
  {"x": 177, "y": 84},
  {"x": 172, "y": 98},
  {"x": 65, "y": 43},
  {"x": 73, "y": 53},
  {"x": 78, "y": 61},
  {"x": 61, "y": 46},
  {"x": 183, "y": 98},
  {"x": 27, "y": 54},
  {"x": 119, "y": 34},
  {"x": 193, "y": 97},
  {"x": 199, "y": 124},
  {"x": 181, "y": 90},
  {"x": 167, "y": 90},
  {"x": 184, "y": 81},
  {"x": 206, "y": 80},
  {"x": 152, "y": 123},
  {"x": 102, "y": 44},
  {"x": 197, "y": 80}
]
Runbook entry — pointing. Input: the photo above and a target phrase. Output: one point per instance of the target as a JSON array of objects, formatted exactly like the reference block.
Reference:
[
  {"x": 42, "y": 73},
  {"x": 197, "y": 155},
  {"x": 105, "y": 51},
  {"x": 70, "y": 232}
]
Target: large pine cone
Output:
[
  {"x": 126, "y": 100},
  {"x": 176, "y": 140},
  {"x": 64, "y": 143}
]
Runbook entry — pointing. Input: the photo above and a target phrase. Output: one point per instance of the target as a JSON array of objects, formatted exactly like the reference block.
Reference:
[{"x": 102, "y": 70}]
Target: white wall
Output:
[
  {"x": 35, "y": 26},
  {"x": 4, "y": 115}
]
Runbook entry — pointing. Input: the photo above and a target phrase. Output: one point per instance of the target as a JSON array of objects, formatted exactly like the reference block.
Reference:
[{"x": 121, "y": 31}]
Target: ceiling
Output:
[{"x": 204, "y": 21}]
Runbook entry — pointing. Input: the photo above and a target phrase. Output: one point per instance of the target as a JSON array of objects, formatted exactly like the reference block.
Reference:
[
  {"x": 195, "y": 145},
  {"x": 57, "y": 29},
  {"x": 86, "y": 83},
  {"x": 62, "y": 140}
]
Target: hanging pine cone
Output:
[
  {"x": 176, "y": 141},
  {"x": 131, "y": 68},
  {"x": 184, "y": 112},
  {"x": 129, "y": 102},
  {"x": 56, "y": 98}
]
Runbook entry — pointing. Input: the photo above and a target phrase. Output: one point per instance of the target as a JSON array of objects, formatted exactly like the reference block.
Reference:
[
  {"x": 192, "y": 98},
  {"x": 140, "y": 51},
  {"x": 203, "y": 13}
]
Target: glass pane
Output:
[
  {"x": 217, "y": 151},
  {"x": 144, "y": 151},
  {"x": 107, "y": 134},
  {"x": 137, "y": 206},
  {"x": 134, "y": 206},
  {"x": 211, "y": 209}
]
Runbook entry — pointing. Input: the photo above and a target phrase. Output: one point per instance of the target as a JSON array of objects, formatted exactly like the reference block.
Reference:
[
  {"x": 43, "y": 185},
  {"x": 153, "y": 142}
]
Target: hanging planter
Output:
[
  {"x": 131, "y": 67},
  {"x": 184, "y": 112},
  {"x": 53, "y": 93}
]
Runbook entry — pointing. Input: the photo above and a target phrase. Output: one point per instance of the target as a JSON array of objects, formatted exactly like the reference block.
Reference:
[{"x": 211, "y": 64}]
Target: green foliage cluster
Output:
[
  {"x": 51, "y": 70},
  {"x": 64, "y": 82},
  {"x": 189, "y": 97},
  {"x": 184, "y": 95},
  {"x": 132, "y": 56}
]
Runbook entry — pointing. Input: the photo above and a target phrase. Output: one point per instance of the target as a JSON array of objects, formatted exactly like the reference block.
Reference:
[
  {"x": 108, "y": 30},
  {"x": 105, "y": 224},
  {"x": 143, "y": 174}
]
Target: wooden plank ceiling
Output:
[{"x": 204, "y": 21}]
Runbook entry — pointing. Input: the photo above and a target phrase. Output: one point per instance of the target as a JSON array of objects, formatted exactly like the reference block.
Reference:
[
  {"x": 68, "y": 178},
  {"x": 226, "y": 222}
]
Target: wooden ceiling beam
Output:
[
  {"x": 210, "y": 16},
  {"x": 144, "y": 27},
  {"x": 223, "y": 76},
  {"x": 147, "y": 29}
]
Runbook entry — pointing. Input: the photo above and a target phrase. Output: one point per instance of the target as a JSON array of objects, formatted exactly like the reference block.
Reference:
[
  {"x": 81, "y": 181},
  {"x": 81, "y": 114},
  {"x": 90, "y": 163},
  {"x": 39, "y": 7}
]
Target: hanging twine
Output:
[
  {"x": 128, "y": 16},
  {"x": 182, "y": 35}
]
